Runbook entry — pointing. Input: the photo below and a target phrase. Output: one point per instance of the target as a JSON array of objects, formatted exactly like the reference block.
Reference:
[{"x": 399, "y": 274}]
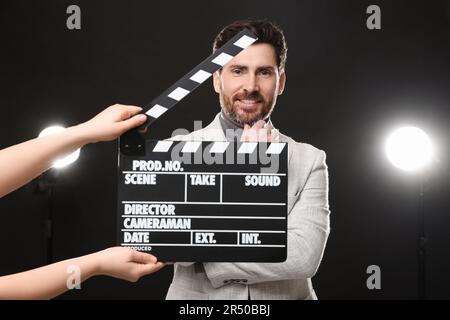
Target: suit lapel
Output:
[{"x": 214, "y": 130}]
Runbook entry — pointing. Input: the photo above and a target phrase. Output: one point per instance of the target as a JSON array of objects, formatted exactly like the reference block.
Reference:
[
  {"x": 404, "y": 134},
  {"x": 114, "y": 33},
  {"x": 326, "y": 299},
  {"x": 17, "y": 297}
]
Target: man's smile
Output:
[{"x": 248, "y": 105}]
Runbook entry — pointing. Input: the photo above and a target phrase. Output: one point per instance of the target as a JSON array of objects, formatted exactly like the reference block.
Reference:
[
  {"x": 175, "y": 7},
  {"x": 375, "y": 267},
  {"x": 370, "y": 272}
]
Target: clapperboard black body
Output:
[{"x": 205, "y": 201}]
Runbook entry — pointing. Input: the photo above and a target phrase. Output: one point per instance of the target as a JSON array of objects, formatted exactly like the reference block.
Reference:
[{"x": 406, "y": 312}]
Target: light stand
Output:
[
  {"x": 45, "y": 184},
  {"x": 422, "y": 241},
  {"x": 409, "y": 149}
]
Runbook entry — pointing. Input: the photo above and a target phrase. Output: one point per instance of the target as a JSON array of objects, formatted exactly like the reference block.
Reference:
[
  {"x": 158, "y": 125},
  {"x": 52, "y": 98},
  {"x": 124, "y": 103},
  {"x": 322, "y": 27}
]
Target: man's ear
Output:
[
  {"x": 216, "y": 81},
  {"x": 281, "y": 82}
]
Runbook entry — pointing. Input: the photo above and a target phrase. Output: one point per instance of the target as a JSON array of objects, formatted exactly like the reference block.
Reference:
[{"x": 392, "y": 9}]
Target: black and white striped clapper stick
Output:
[{"x": 194, "y": 78}]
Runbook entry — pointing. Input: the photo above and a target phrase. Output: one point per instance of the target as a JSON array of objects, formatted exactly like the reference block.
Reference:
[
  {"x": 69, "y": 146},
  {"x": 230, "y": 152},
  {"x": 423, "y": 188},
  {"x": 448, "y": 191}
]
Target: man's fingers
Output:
[
  {"x": 268, "y": 126},
  {"x": 259, "y": 124},
  {"x": 260, "y": 131}
]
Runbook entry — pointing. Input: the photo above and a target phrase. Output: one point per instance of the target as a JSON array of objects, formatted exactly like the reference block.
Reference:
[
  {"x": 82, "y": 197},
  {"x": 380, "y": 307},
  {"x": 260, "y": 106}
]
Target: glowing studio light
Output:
[
  {"x": 408, "y": 148},
  {"x": 60, "y": 163}
]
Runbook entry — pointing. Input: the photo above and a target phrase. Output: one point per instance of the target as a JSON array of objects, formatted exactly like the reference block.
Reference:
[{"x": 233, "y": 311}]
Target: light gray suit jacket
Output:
[{"x": 308, "y": 230}]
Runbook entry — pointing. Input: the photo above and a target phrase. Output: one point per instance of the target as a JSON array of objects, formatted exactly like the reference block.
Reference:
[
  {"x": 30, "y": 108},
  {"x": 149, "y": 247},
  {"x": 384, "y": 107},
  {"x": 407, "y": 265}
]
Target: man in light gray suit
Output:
[{"x": 248, "y": 87}]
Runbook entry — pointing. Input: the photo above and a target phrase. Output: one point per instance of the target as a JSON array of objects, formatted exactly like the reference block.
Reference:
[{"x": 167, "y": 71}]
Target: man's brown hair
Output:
[{"x": 265, "y": 30}]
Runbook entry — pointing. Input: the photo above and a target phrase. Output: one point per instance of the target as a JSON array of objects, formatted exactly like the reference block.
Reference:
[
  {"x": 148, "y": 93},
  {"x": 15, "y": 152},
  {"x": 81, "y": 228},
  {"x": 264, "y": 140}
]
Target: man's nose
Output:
[{"x": 251, "y": 84}]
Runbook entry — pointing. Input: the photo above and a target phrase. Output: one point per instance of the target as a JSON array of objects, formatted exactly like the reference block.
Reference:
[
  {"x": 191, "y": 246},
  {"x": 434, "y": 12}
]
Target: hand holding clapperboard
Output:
[{"x": 186, "y": 201}]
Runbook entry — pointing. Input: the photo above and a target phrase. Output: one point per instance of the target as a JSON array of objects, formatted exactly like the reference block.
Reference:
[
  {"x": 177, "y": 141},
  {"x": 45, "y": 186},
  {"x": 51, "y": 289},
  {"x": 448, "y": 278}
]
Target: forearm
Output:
[
  {"x": 23, "y": 162},
  {"x": 305, "y": 251},
  {"x": 49, "y": 281}
]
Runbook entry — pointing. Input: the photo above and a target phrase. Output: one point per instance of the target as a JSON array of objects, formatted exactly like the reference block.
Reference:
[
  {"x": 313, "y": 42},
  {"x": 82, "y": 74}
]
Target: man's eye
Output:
[
  {"x": 265, "y": 72},
  {"x": 236, "y": 71}
]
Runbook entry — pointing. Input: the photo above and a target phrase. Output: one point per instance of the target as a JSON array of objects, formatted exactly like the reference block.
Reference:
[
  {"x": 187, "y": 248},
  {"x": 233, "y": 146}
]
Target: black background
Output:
[{"x": 347, "y": 87}]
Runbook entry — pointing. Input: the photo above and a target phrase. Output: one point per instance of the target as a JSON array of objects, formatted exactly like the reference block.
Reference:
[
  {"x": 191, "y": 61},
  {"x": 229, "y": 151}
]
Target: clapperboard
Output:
[{"x": 198, "y": 200}]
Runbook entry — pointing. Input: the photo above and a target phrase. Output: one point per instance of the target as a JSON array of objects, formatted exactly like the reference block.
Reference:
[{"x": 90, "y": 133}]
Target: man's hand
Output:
[{"x": 259, "y": 132}]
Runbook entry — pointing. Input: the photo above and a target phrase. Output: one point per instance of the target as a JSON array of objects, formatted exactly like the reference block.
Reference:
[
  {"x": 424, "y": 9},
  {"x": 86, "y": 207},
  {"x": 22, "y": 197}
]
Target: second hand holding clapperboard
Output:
[{"x": 185, "y": 201}]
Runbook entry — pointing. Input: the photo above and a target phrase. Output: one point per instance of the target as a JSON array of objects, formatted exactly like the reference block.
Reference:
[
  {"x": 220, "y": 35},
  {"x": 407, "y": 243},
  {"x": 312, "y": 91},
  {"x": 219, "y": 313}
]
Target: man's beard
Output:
[{"x": 230, "y": 108}]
